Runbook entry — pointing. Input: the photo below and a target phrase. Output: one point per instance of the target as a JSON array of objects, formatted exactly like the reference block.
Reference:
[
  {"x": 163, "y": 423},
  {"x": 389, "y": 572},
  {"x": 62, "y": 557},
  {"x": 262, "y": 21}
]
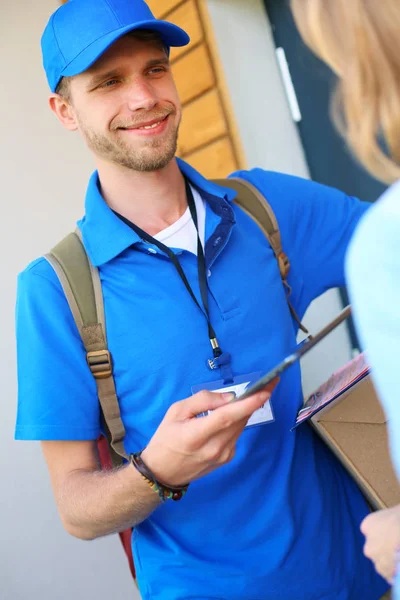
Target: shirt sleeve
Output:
[
  {"x": 316, "y": 224},
  {"x": 57, "y": 396},
  {"x": 373, "y": 271}
]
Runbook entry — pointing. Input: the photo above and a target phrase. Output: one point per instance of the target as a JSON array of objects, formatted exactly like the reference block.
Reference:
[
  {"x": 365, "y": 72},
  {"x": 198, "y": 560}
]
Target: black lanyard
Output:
[{"x": 201, "y": 266}]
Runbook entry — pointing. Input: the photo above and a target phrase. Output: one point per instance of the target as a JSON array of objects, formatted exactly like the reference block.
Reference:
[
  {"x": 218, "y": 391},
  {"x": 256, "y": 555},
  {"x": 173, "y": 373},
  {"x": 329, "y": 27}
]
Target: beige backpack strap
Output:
[
  {"x": 81, "y": 284},
  {"x": 250, "y": 199}
]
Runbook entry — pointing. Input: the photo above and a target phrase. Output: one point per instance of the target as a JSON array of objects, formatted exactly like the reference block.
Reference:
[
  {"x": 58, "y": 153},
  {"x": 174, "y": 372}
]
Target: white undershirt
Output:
[{"x": 182, "y": 234}]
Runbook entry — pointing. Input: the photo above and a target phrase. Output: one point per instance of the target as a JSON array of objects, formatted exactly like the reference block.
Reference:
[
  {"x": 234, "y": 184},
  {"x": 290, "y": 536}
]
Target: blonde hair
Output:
[{"x": 359, "y": 40}]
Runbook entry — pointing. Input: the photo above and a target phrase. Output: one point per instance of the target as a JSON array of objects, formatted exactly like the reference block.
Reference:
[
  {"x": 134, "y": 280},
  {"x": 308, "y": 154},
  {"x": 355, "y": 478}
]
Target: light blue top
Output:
[
  {"x": 373, "y": 269},
  {"x": 281, "y": 521}
]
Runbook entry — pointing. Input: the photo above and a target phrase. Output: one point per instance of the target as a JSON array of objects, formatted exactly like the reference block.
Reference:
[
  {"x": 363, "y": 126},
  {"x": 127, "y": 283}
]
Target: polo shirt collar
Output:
[{"x": 106, "y": 236}]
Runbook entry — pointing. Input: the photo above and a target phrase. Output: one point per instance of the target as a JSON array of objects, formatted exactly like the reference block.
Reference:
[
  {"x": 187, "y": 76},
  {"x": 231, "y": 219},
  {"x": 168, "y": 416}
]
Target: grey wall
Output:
[
  {"x": 271, "y": 141},
  {"x": 43, "y": 178}
]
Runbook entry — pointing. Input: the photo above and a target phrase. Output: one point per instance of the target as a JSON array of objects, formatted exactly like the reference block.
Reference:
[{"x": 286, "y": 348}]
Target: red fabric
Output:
[{"x": 125, "y": 536}]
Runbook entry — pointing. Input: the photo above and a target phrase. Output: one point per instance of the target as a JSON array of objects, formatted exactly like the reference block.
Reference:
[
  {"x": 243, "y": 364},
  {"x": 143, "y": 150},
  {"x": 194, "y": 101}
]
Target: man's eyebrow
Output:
[
  {"x": 102, "y": 76},
  {"x": 157, "y": 61},
  {"x": 99, "y": 77}
]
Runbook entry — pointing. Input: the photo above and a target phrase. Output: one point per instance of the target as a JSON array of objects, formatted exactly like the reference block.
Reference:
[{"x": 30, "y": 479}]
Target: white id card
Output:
[{"x": 238, "y": 386}]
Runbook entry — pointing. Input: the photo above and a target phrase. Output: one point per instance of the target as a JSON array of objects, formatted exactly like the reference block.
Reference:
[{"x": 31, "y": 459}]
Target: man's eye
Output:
[
  {"x": 109, "y": 83},
  {"x": 157, "y": 70}
]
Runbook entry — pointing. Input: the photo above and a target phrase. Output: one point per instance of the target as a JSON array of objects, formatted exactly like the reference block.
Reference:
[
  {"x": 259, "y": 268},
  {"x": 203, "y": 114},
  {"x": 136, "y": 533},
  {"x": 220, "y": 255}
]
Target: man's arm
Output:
[
  {"x": 93, "y": 503},
  {"x": 316, "y": 224}
]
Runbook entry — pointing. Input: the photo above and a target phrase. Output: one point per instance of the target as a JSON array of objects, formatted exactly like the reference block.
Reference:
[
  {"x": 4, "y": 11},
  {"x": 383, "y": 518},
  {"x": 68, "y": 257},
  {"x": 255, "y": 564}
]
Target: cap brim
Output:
[{"x": 171, "y": 34}]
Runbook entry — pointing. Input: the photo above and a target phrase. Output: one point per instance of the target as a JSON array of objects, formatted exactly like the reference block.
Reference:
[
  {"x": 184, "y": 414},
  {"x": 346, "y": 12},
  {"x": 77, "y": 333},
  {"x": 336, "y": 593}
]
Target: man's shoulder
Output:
[
  {"x": 290, "y": 197},
  {"x": 288, "y": 193},
  {"x": 275, "y": 181},
  {"x": 40, "y": 295},
  {"x": 39, "y": 267},
  {"x": 300, "y": 197},
  {"x": 39, "y": 279},
  {"x": 36, "y": 266}
]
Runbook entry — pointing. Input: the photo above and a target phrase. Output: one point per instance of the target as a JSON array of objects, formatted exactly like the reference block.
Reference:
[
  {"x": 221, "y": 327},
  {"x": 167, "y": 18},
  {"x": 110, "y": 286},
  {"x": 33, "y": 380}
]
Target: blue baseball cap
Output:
[{"x": 80, "y": 31}]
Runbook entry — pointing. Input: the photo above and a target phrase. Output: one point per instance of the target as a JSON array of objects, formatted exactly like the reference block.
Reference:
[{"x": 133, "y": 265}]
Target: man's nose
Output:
[{"x": 141, "y": 95}]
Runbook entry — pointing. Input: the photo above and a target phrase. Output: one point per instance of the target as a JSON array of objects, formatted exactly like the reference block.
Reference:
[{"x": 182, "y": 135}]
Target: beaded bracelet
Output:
[{"x": 164, "y": 492}]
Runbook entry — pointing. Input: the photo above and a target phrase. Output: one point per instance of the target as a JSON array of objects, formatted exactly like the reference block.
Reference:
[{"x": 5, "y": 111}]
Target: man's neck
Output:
[{"x": 153, "y": 201}]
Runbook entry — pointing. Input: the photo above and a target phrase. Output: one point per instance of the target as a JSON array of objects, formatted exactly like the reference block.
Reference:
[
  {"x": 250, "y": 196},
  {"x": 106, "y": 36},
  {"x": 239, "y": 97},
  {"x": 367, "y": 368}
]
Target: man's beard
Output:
[{"x": 155, "y": 154}]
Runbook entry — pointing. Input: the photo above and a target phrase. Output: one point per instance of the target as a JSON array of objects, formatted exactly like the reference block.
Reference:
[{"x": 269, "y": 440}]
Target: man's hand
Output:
[
  {"x": 185, "y": 448},
  {"x": 93, "y": 503},
  {"x": 382, "y": 533}
]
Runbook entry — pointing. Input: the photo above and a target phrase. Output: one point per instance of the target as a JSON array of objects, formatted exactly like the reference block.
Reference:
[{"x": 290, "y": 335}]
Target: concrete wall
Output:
[
  {"x": 271, "y": 141},
  {"x": 44, "y": 171}
]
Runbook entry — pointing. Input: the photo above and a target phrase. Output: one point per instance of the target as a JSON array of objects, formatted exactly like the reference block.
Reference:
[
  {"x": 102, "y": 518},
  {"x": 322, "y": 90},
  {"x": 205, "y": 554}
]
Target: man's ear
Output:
[{"x": 64, "y": 111}]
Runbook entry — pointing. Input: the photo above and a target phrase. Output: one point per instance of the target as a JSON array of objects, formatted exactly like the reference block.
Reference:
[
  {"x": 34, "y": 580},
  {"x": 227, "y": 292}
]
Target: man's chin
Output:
[
  {"x": 144, "y": 163},
  {"x": 155, "y": 165}
]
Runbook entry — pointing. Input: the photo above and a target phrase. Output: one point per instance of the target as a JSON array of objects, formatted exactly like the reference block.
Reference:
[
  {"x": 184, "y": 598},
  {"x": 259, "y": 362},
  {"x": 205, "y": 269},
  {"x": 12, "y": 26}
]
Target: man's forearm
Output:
[{"x": 94, "y": 504}]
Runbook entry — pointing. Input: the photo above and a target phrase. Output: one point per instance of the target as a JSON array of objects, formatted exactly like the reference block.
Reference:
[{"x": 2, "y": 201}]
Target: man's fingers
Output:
[
  {"x": 215, "y": 412},
  {"x": 230, "y": 414},
  {"x": 272, "y": 385},
  {"x": 269, "y": 387},
  {"x": 200, "y": 403}
]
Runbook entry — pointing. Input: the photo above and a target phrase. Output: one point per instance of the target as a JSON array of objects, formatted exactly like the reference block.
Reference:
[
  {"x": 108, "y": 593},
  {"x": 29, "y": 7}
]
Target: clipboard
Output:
[{"x": 296, "y": 355}]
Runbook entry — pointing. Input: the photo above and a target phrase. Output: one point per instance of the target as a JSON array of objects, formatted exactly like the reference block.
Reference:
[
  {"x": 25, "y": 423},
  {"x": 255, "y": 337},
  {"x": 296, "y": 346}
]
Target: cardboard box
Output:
[{"x": 354, "y": 426}]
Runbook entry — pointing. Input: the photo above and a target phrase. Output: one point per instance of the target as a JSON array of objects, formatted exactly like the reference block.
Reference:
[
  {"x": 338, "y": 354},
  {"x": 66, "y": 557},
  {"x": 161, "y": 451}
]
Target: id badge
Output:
[{"x": 238, "y": 386}]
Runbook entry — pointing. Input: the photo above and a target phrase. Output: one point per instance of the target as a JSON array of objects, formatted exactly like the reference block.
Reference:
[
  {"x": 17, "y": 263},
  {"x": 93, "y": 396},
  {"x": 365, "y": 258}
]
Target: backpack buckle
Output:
[
  {"x": 284, "y": 265},
  {"x": 100, "y": 363}
]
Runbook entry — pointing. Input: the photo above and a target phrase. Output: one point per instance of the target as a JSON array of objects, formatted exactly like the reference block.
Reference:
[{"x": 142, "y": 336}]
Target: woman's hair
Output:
[{"x": 359, "y": 39}]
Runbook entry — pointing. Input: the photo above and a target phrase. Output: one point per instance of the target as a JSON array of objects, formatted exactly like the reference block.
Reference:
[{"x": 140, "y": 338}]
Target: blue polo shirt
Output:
[{"x": 282, "y": 519}]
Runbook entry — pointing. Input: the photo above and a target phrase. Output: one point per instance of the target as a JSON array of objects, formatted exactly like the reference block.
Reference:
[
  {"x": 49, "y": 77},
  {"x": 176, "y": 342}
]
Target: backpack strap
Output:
[
  {"x": 81, "y": 284},
  {"x": 250, "y": 199}
]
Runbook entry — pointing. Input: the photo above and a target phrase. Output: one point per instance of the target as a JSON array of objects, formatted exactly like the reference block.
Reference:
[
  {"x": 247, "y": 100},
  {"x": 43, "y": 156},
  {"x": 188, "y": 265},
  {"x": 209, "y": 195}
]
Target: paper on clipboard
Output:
[{"x": 341, "y": 381}]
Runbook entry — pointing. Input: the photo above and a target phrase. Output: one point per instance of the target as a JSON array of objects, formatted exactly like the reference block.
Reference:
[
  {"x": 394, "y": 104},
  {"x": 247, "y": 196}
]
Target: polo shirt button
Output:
[
  {"x": 152, "y": 251},
  {"x": 208, "y": 273}
]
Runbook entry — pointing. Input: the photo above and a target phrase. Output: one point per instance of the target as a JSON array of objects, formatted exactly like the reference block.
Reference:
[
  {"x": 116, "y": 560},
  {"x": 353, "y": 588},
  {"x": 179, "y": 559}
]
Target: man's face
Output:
[{"x": 127, "y": 107}]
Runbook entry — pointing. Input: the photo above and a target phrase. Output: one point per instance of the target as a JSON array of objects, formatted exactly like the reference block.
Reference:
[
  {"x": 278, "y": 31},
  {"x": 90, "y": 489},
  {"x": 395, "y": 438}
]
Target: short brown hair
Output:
[
  {"x": 64, "y": 89},
  {"x": 149, "y": 35},
  {"x": 144, "y": 35}
]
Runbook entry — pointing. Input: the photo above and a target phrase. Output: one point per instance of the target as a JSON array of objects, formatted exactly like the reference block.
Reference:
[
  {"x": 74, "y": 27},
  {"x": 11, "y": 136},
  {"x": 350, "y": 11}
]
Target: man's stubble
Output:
[{"x": 153, "y": 155}]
